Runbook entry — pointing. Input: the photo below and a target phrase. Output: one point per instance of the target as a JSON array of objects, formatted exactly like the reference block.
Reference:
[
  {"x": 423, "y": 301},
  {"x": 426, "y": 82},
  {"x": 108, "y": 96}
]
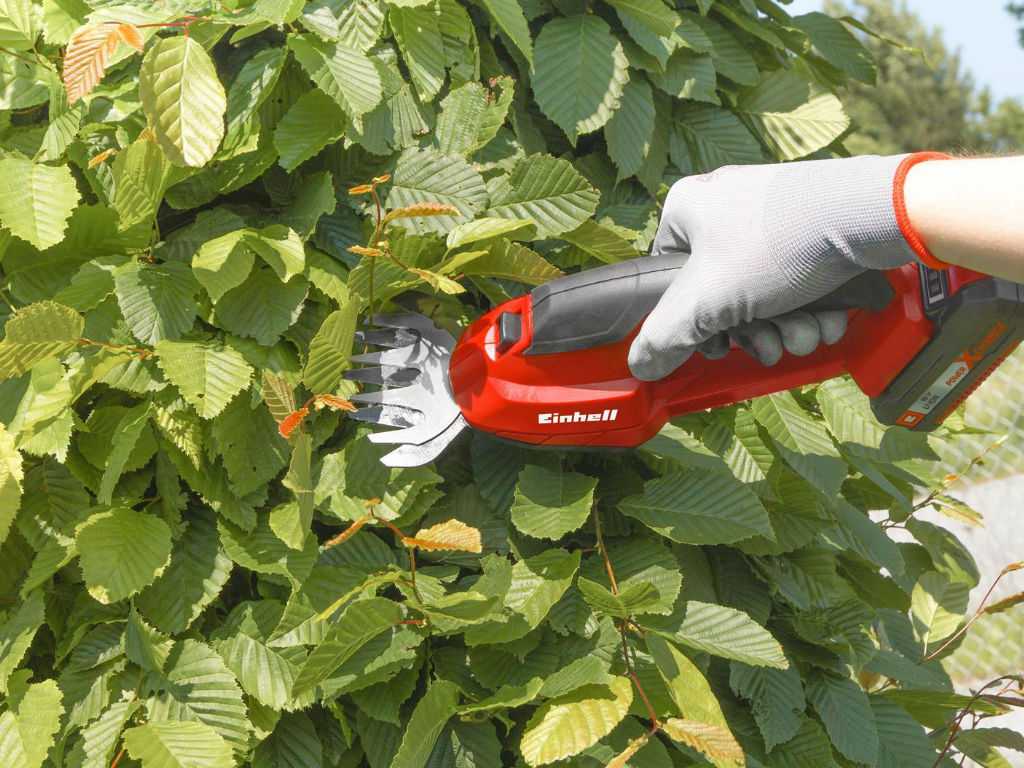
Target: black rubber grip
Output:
[{"x": 603, "y": 305}]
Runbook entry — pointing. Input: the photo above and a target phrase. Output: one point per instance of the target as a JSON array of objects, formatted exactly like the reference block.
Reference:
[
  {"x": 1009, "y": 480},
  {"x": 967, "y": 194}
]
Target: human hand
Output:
[{"x": 763, "y": 242}]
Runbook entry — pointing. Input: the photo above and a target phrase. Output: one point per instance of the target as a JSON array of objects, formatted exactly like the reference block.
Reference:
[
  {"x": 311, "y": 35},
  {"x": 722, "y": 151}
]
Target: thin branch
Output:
[
  {"x": 977, "y": 614},
  {"x": 954, "y": 729}
]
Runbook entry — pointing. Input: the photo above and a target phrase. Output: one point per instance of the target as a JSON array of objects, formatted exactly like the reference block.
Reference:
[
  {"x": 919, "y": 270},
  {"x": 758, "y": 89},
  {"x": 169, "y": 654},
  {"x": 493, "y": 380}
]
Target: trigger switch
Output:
[{"x": 510, "y": 331}]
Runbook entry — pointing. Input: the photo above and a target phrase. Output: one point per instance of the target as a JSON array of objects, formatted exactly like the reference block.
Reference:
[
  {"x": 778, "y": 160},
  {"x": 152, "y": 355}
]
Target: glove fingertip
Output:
[{"x": 647, "y": 363}]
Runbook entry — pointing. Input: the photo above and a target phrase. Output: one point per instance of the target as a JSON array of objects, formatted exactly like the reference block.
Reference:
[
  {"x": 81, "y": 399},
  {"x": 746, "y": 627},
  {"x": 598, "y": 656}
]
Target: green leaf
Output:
[
  {"x": 810, "y": 748},
  {"x": 197, "y": 572},
  {"x": 721, "y": 631},
  {"x": 486, "y": 228},
  {"x": 692, "y": 694},
  {"x": 636, "y": 598},
  {"x": 330, "y": 349},
  {"x": 36, "y": 200},
  {"x": 36, "y": 332},
  {"x": 567, "y": 725},
  {"x": 262, "y": 308},
  {"x": 126, "y": 437},
  {"x": 512, "y": 261},
  {"x": 356, "y": 23},
  {"x": 802, "y": 441},
  {"x": 700, "y": 508},
  {"x": 11, "y": 475},
  {"x": 141, "y": 174},
  {"x": 263, "y": 672},
  {"x": 631, "y": 128},
  {"x": 418, "y": 34},
  {"x": 706, "y": 137},
  {"x": 157, "y": 300},
  {"x": 938, "y": 606},
  {"x": 197, "y": 686},
  {"x": 536, "y": 584},
  {"x": 427, "y": 176},
  {"x": 359, "y": 623},
  {"x": 121, "y": 552},
  {"x": 428, "y": 719},
  {"x": 601, "y": 242},
  {"x": 103, "y": 734},
  {"x": 144, "y": 645},
  {"x": 579, "y": 99},
  {"x": 508, "y": 14},
  {"x": 653, "y": 14},
  {"x": 18, "y": 29},
  {"x": 902, "y": 741},
  {"x": 732, "y": 58},
  {"x": 792, "y": 119},
  {"x": 207, "y": 375},
  {"x": 252, "y": 86},
  {"x": 181, "y": 744},
  {"x": 346, "y": 75},
  {"x": 312, "y": 122},
  {"x": 834, "y": 42},
  {"x": 776, "y": 697},
  {"x": 16, "y": 634},
  {"x": 290, "y": 521},
  {"x": 293, "y": 744},
  {"x": 844, "y": 709},
  {"x": 547, "y": 190},
  {"x": 223, "y": 263},
  {"x": 260, "y": 550},
  {"x": 28, "y": 727},
  {"x": 183, "y": 99},
  {"x": 281, "y": 248},
  {"x": 549, "y": 504},
  {"x": 639, "y": 560},
  {"x": 688, "y": 75}
]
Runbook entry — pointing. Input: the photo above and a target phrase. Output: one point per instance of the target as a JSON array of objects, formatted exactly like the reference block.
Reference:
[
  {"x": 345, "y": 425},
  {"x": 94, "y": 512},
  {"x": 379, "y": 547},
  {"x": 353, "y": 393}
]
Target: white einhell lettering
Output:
[{"x": 578, "y": 417}]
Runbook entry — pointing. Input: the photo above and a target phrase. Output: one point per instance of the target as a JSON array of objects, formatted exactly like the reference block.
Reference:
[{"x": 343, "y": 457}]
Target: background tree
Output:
[
  {"x": 202, "y": 559},
  {"x": 1017, "y": 10}
]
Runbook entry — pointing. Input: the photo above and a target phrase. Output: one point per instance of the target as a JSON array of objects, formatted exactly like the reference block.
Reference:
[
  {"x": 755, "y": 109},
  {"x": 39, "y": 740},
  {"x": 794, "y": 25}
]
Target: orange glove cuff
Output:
[{"x": 914, "y": 240}]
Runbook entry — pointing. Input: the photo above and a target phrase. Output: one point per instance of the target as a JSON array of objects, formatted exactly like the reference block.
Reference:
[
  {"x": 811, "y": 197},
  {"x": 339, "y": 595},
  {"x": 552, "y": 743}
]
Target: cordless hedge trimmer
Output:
[{"x": 550, "y": 368}]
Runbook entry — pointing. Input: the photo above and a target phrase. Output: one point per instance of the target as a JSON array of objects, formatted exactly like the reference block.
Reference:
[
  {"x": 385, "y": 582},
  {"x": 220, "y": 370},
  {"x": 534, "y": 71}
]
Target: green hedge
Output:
[{"x": 204, "y": 563}]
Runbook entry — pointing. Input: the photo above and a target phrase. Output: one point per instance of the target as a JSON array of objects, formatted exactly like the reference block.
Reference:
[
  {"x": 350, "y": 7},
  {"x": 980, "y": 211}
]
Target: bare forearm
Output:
[{"x": 971, "y": 212}]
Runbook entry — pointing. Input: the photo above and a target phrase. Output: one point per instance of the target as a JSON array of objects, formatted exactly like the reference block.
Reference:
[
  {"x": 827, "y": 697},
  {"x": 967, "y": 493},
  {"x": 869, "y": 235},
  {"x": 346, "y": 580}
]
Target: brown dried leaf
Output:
[
  {"x": 102, "y": 157},
  {"x": 716, "y": 742},
  {"x": 422, "y": 209},
  {"x": 334, "y": 402},
  {"x": 361, "y": 250},
  {"x": 291, "y": 421},
  {"x": 89, "y": 52},
  {"x": 453, "y": 535}
]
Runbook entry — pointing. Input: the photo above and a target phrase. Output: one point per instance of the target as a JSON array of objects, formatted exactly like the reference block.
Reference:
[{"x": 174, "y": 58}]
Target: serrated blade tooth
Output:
[
  {"x": 414, "y": 435},
  {"x": 404, "y": 397},
  {"x": 381, "y": 377},
  {"x": 402, "y": 357},
  {"x": 388, "y": 416},
  {"x": 398, "y": 337},
  {"x": 406, "y": 320},
  {"x": 423, "y": 453}
]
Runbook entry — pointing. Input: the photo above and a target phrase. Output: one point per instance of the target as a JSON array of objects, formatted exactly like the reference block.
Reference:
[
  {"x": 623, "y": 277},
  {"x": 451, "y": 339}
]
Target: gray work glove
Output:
[{"x": 763, "y": 241}]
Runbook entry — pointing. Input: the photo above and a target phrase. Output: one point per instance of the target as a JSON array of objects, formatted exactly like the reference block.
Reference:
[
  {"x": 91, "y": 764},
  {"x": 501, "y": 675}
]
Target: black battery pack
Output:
[{"x": 976, "y": 328}]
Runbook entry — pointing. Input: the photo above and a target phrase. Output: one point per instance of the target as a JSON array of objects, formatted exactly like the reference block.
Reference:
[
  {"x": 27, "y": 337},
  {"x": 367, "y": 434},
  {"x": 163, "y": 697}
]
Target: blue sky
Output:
[{"x": 981, "y": 29}]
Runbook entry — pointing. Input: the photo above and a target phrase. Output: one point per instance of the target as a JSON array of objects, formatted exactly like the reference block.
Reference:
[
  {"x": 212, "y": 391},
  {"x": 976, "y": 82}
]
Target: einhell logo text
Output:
[{"x": 577, "y": 417}]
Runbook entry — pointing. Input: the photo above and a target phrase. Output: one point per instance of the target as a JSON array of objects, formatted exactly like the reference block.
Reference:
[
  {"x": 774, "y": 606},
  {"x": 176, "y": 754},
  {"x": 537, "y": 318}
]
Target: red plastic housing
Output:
[{"x": 588, "y": 397}]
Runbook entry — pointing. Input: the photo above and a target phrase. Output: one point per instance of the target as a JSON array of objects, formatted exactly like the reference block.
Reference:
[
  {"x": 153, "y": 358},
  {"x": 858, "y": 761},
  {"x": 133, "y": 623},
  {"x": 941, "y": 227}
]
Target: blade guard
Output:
[{"x": 518, "y": 372}]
